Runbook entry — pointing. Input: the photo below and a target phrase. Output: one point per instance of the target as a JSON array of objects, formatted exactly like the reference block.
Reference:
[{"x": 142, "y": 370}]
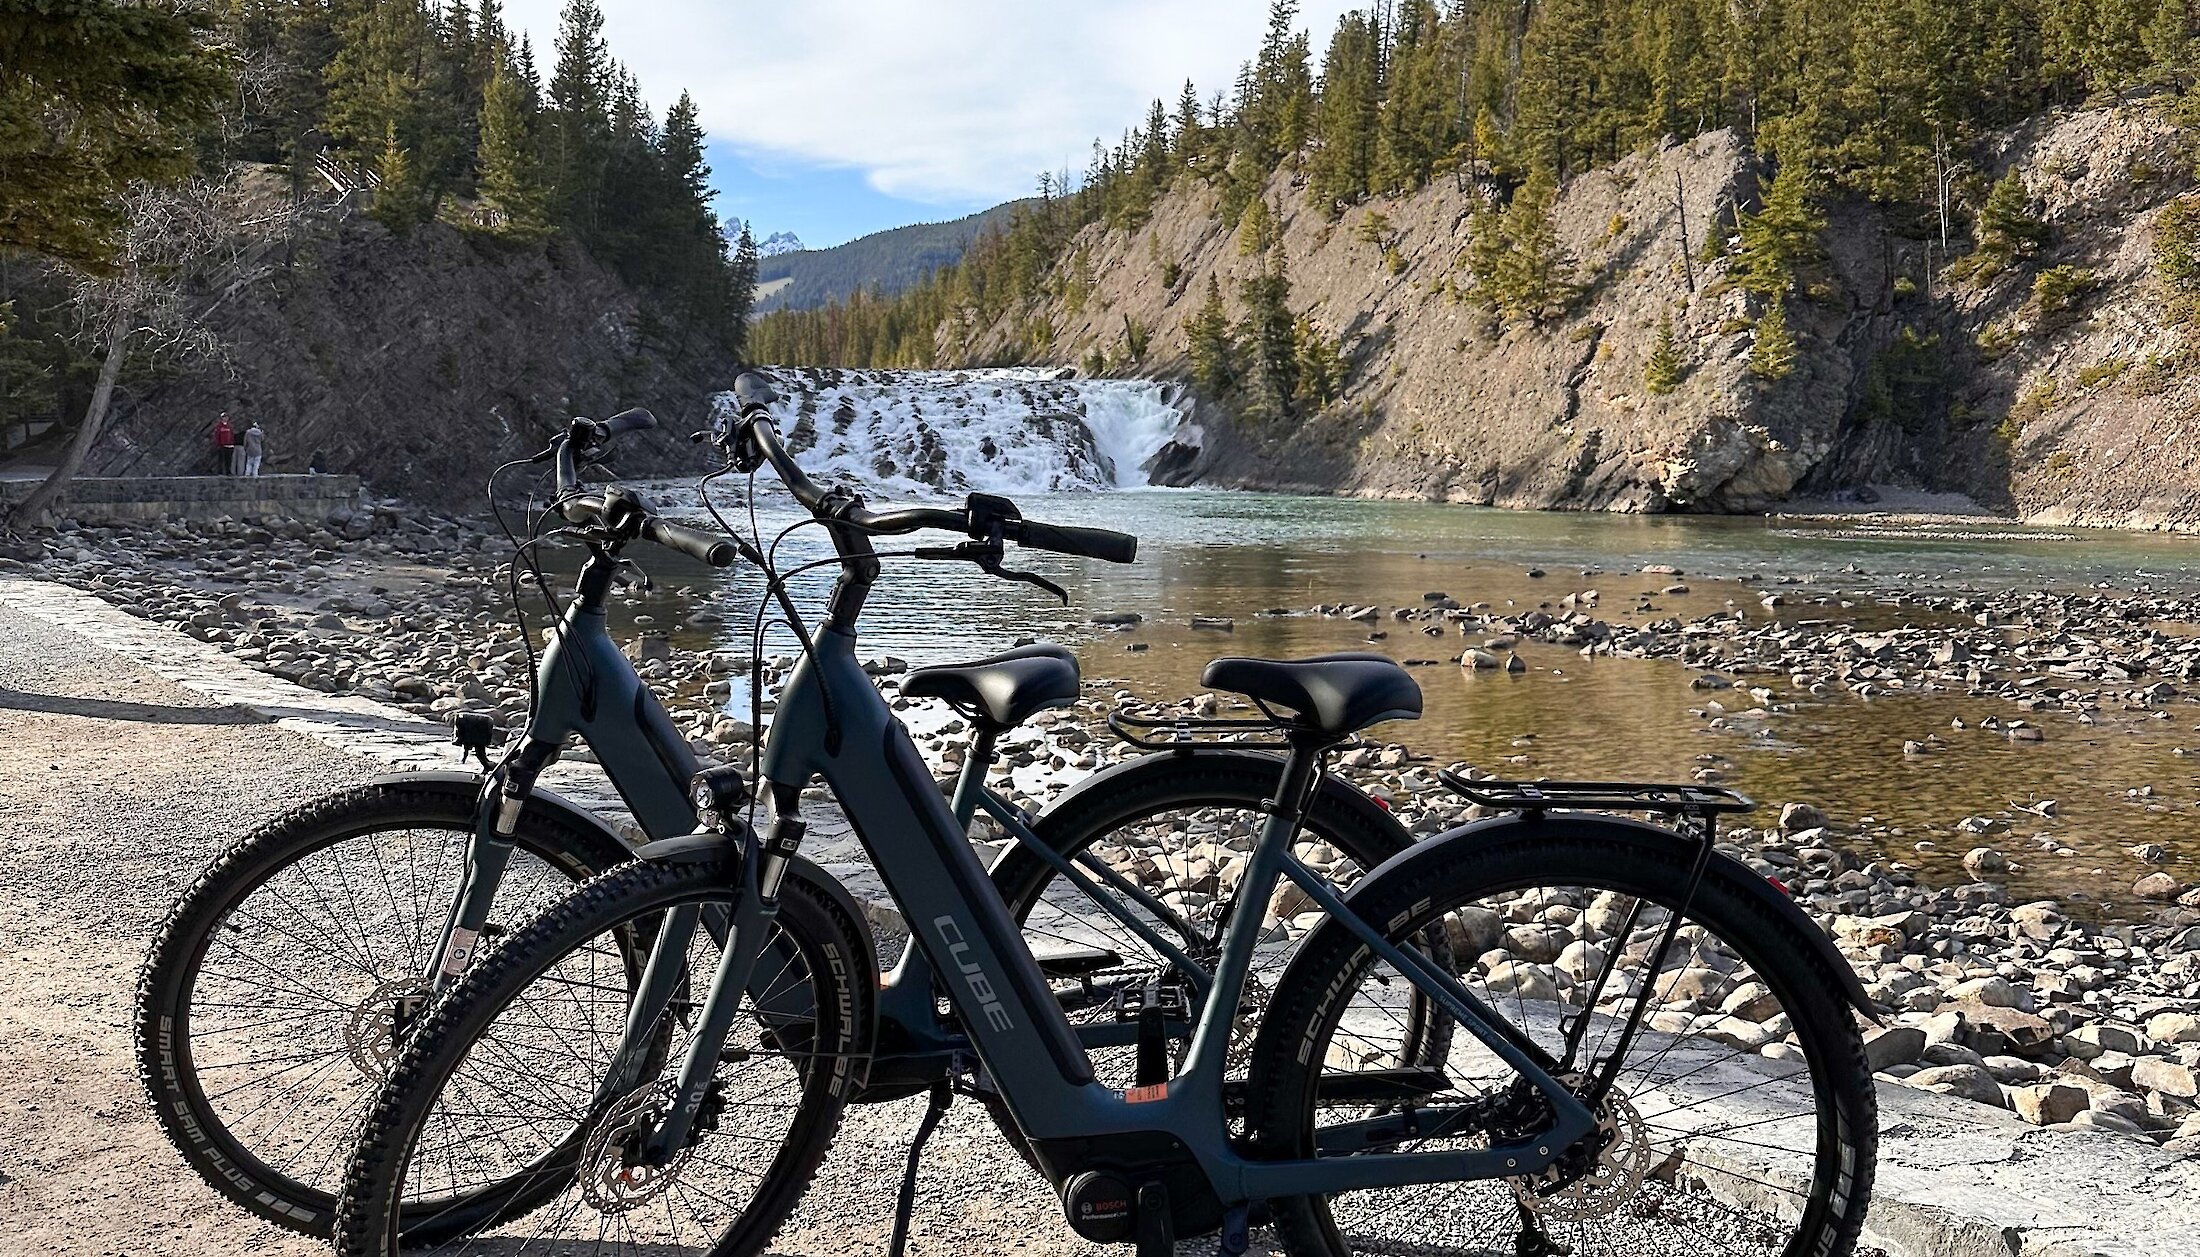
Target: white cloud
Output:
[{"x": 945, "y": 101}]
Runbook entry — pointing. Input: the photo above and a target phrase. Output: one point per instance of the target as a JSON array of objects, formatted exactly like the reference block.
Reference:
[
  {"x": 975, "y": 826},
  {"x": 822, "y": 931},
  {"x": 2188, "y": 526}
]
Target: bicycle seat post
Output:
[{"x": 977, "y": 757}]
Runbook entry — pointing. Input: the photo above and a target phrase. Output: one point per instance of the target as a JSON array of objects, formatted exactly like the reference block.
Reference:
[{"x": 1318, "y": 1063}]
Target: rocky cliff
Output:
[
  {"x": 421, "y": 363},
  {"x": 1901, "y": 376}
]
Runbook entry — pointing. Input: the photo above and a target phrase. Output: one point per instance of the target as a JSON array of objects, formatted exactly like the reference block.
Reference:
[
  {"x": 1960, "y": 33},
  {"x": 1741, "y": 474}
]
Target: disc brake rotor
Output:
[
  {"x": 1568, "y": 1192},
  {"x": 608, "y": 1183},
  {"x": 370, "y": 1033}
]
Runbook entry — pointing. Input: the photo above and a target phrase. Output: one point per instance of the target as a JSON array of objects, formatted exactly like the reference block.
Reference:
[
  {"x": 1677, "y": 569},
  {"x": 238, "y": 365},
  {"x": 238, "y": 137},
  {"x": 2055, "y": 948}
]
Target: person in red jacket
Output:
[{"x": 225, "y": 443}]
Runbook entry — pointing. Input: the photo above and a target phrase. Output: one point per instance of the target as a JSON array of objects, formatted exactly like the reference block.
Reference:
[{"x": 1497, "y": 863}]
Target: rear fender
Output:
[{"x": 1336, "y": 793}]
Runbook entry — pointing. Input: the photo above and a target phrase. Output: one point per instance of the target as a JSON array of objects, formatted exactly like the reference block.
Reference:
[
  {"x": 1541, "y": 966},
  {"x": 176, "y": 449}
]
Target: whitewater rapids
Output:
[{"x": 1010, "y": 430}]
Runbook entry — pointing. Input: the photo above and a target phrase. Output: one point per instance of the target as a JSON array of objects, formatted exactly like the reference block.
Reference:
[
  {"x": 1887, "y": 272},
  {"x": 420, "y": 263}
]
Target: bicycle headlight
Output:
[{"x": 718, "y": 793}]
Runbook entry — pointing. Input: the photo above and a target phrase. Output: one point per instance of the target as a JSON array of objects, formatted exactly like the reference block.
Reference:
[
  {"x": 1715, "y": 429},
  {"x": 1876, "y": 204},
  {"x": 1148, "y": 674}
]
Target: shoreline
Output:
[{"x": 2022, "y": 1006}]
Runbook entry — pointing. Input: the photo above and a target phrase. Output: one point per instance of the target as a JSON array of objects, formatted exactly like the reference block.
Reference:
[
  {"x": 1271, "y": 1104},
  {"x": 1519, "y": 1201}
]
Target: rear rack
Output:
[
  {"x": 1701, "y": 802},
  {"x": 1175, "y": 733}
]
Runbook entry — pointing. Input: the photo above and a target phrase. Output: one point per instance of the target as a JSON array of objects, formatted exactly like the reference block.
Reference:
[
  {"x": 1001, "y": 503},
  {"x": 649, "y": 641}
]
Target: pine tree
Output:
[
  {"x": 507, "y": 171},
  {"x": 741, "y": 279},
  {"x": 1269, "y": 346},
  {"x": 91, "y": 104},
  {"x": 2006, "y": 227},
  {"x": 397, "y": 193},
  {"x": 1209, "y": 344},
  {"x": 1345, "y": 120},
  {"x": 1320, "y": 367},
  {"x": 2168, "y": 38},
  {"x": 1772, "y": 346},
  {"x": 1782, "y": 237},
  {"x": 1531, "y": 279},
  {"x": 1188, "y": 139},
  {"x": 1662, "y": 373},
  {"x": 579, "y": 117}
]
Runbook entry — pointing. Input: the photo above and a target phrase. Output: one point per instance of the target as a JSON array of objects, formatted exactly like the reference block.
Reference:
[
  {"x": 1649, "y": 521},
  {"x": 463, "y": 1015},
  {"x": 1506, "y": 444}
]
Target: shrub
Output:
[{"x": 2059, "y": 291}]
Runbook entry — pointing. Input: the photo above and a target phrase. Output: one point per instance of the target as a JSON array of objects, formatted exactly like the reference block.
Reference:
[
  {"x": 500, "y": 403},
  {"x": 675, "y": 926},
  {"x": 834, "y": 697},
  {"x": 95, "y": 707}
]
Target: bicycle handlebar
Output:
[{"x": 983, "y": 514}]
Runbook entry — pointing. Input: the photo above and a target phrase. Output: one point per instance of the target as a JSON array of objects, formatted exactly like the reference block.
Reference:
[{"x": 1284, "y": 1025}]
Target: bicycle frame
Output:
[
  {"x": 832, "y": 724},
  {"x": 586, "y": 688}
]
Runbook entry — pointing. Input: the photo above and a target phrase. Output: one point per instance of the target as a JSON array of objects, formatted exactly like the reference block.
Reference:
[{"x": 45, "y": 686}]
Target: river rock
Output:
[
  {"x": 2174, "y": 1028},
  {"x": 1797, "y": 817},
  {"x": 2155, "y": 886},
  {"x": 1986, "y": 862},
  {"x": 2049, "y": 1103},
  {"x": 1890, "y": 1046},
  {"x": 1970, "y": 1082},
  {"x": 2160, "y": 1073}
]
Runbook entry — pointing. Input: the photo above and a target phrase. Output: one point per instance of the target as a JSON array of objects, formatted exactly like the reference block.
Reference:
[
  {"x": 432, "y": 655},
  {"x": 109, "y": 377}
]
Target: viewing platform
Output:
[{"x": 106, "y": 499}]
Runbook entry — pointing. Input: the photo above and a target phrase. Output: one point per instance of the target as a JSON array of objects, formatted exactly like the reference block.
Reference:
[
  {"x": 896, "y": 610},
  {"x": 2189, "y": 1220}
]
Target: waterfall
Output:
[{"x": 1011, "y": 430}]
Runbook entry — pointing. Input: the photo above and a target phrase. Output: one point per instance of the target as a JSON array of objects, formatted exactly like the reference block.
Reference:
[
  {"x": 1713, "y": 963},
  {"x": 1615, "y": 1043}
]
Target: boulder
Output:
[
  {"x": 1969, "y": 1082},
  {"x": 2174, "y": 1028},
  {"x": 2160, "y": 1073},
  {"x": 1893, "y": 1045},
  {"x": 2049, "y": 1103}
]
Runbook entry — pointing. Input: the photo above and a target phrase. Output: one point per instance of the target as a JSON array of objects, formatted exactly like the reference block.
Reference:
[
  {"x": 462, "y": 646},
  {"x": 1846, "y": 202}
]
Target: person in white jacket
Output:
[{"x": 253, "y": 444}]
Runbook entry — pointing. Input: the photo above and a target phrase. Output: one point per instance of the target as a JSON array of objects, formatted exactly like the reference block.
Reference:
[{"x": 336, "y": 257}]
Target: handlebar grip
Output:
[
  {"x": 634, "y": 420},
  {"x": 752, "y": 390},
  {"x": 1091, "y": 543},
  {"x": 695, "y": 543}
]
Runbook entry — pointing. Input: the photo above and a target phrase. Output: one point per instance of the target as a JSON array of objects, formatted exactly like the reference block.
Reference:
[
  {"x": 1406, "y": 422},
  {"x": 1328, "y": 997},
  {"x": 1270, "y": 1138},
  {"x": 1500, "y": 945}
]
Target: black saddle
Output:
[
  {"x": 1005, "y": 689},
  {"x": 1333, "y": 694}
]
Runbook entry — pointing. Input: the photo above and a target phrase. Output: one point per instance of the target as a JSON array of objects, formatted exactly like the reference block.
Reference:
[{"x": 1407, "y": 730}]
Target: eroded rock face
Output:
[{"x": 1903, "y": 375}]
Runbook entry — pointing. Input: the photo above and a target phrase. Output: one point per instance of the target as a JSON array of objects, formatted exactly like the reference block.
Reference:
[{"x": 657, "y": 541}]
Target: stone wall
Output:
[{"x": 99, "y": 499}]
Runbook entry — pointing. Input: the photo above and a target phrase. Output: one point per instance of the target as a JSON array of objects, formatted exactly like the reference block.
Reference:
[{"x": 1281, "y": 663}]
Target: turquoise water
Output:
[{"x": 1237, "y": 555}]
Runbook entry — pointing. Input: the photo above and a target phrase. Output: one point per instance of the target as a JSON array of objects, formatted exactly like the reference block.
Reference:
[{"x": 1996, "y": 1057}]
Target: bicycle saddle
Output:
[
  {"x": 1005, "y": 689},
  {"x": 1333, "y": 694}
]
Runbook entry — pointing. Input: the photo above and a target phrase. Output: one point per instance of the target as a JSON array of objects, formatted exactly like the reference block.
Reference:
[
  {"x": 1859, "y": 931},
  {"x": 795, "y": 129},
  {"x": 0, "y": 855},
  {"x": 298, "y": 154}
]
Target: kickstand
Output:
[
  {"x": 1234, "y": 1240},
  {"x": 943, "y": 1095},
  {"x": 1533, "y": 1241},
  {"x": 1156, "y": 1233}
]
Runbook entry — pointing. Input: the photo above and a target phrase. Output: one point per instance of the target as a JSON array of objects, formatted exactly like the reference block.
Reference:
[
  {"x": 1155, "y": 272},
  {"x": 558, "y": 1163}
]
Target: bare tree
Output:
[{"x": 145, "y": 304}]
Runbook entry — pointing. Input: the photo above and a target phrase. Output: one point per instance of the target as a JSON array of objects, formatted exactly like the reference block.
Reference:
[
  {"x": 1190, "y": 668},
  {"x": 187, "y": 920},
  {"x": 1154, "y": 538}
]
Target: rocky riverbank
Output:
[{"x": 2034, "y": 1007}]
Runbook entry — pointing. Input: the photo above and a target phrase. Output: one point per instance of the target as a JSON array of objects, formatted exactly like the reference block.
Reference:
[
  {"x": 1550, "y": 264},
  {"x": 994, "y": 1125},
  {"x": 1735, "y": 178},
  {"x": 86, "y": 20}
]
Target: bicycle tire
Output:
[
  {"x": 167, "y": 1066},
  {"x": 833, "y": 948},
  {"x": 1291, "y": 1056}
]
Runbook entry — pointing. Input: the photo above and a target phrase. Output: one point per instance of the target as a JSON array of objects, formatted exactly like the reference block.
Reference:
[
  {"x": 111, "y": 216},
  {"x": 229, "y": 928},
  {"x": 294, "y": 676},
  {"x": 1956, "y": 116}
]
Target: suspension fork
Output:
[
  {"x": 756, "y": 906},
  {"x": 504, "y": 796}
]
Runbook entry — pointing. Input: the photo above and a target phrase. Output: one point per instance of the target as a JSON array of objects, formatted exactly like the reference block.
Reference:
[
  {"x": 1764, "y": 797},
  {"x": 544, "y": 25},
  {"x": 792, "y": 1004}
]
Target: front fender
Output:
[
  {"x": 460, "y": 783},
  {"x": 1753, "y": 884}
]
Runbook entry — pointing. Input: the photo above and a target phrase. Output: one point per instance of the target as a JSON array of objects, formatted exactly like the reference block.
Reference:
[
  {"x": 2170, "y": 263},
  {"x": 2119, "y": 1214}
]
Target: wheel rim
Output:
[
  {"x": 1728, "y": 1132},
  {"x": 287, "y": 1018},
  {"x": 519, "y": 1136}
]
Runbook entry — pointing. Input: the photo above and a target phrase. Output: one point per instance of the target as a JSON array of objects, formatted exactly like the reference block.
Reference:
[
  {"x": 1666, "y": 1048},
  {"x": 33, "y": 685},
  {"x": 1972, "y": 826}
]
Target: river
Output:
[{"x": 1264, "y": 561}]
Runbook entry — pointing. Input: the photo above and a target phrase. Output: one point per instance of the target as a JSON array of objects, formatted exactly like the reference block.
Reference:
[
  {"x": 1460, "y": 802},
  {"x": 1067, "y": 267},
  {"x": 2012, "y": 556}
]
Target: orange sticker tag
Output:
[{"x": 1146, "y": 1095}]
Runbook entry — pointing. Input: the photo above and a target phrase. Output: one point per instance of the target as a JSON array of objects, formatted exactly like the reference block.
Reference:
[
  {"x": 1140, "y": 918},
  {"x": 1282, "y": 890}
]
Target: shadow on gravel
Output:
[{"x": 112, "y": 709}]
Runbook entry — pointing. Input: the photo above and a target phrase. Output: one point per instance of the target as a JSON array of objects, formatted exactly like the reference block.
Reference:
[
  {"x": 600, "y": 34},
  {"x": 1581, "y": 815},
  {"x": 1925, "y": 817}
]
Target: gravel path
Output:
[{"x": 116, "y": 787}]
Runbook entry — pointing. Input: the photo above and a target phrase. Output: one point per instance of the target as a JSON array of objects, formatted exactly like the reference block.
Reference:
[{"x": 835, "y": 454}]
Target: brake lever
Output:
[
  {"x": 994, "y": 568},
  {"x": 988, "y": 559}
]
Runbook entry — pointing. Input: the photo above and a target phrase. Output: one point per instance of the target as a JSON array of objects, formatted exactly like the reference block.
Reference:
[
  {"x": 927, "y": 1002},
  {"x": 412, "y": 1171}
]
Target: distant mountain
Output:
[
  {"x": 892, "y": 260},
  {"x": 780, "y": 242}
]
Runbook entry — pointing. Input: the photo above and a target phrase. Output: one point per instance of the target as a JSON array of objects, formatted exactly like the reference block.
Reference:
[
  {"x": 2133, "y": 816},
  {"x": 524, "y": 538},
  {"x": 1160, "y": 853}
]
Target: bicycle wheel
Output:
[
  {"x": 496, "y": 1123},
  {"x": 1181, "y": 826},
  {"x": 1742, "y": 1116},
  {"x": 265, "y": 1007}
]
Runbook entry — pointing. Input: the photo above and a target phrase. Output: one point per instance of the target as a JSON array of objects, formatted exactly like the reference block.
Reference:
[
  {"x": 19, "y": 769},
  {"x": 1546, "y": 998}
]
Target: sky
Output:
[{"x": 836, "y": 118}]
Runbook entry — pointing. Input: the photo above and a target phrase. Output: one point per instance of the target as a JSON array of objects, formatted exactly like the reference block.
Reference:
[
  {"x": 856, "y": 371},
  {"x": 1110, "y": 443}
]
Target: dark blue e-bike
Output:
[{"x": 1549, "y": 1031}]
